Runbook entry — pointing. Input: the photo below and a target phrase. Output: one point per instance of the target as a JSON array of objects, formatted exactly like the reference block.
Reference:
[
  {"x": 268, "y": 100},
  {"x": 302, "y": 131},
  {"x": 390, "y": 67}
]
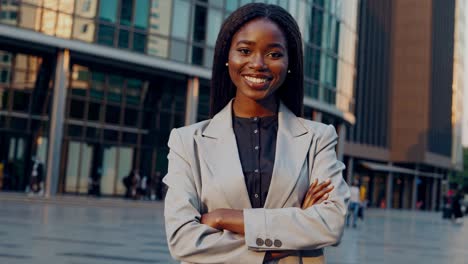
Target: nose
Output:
[{"x": 257, "y": 62}]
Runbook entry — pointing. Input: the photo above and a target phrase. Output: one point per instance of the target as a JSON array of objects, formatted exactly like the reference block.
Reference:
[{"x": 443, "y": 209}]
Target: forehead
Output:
[{"x": 260, "y": 29}]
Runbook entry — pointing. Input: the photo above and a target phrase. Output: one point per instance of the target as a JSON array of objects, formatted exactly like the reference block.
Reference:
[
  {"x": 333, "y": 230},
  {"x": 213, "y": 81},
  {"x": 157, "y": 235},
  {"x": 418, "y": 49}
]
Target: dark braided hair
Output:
[{"x": 291, "y": 92}]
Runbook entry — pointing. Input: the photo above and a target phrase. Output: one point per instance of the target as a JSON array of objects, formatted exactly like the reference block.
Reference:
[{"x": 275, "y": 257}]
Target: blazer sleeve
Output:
[
  {"x": 187, "y": 238},
  {"x": 316, "y": 227}
]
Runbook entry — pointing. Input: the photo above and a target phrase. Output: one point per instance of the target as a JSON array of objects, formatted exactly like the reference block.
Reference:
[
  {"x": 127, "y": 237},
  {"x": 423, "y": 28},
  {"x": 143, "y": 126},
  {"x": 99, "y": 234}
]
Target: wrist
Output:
[{"x": 219, "y": 220}]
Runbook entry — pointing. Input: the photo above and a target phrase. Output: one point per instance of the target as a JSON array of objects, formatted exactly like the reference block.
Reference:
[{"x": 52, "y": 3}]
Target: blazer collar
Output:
[
  {"x": 222, "y": 122},
  {"x": 219, "y": 148}
]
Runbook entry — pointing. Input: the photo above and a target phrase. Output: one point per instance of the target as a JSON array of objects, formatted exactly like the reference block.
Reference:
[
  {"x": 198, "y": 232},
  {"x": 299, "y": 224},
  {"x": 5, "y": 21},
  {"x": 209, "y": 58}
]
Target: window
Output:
[
  {"x": 112, "y": 114},
  {"x": 108, "y": 11},
  {"x": 231, "y": 5},
  {"x": 4, "y": 76},
  {"x": 141, "y": 14},
  {"x": 94, "y": 112},
  {"x": 84, "y": 28},
  {"x": 126, "y": 11},
  {"x": 123, "y": 38},
  {"x": 180, "y": 22},
  {"x": 106, "y": 35},
  {"x": 178, "y": 51},
  {"x": 215, "y": 18},
  {"x": 21, "y": 101},
  {"x": 139, "y": 42},
  {"x": 76, "y": 109},
  {"x": 86, "y": 6}
]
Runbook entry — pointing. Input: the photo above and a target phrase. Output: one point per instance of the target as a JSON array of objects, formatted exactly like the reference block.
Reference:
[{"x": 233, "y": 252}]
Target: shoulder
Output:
[
  {"x": 318, "y": 129},
  {"x": 185, "y": 135},
  {"x": 191, "y": 130}
]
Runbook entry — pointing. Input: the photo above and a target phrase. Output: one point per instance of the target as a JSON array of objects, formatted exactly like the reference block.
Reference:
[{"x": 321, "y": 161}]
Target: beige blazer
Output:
[{"x": 205, "y": 174}]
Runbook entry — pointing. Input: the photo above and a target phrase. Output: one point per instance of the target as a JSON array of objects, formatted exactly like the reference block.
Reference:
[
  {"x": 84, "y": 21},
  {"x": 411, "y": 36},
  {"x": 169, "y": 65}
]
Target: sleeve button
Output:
[
  {"x": 277, "y": 243},
  {"x": 268, "y": 242},
  {"x": 259, "y": 242}
]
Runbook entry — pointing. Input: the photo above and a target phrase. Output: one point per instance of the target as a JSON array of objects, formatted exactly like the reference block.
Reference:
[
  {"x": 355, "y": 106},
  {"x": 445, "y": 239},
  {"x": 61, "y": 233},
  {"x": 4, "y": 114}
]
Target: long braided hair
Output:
[{"x": 291, "y": 92}]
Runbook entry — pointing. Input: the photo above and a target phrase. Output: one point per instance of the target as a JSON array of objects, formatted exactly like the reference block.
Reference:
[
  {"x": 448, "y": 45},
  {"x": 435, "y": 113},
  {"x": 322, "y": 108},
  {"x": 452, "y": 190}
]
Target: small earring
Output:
[
  {"x": 289, "y": 71},
  {"x": 227, "y": 64}
]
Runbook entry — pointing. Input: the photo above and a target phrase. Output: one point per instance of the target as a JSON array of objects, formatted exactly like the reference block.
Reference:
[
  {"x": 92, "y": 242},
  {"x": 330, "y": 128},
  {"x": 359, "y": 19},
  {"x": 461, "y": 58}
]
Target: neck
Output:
[{"x": 251, "y": 108}]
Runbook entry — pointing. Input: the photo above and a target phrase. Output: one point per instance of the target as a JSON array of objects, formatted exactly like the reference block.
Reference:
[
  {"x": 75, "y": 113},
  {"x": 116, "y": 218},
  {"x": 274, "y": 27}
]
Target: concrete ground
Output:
[{"x": 80, "y": 230}]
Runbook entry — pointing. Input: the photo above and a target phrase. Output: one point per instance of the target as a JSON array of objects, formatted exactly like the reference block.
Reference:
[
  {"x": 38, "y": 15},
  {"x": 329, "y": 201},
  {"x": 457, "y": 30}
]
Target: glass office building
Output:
[{"x": 91, "y": 89}]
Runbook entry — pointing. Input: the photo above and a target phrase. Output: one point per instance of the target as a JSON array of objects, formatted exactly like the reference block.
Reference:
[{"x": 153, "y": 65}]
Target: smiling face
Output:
[{"x": 258, "y": 60}]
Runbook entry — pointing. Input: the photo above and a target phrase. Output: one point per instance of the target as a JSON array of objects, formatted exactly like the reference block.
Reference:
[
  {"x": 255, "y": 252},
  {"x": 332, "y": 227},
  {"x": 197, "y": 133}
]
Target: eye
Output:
[
  {"x": 244, "y": 51},
  {"x": 275, "y": 55}
]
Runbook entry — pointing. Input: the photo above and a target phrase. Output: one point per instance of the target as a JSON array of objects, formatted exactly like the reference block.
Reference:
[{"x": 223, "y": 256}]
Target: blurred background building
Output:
[
  {"x": 91, "y": 89},
  {"x": 409, "y": 98}
]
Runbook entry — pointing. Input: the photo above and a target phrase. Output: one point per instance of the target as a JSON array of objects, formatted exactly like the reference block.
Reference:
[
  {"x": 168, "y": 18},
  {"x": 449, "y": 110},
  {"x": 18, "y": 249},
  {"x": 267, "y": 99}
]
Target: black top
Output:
[{"x": 256, "y": 142}]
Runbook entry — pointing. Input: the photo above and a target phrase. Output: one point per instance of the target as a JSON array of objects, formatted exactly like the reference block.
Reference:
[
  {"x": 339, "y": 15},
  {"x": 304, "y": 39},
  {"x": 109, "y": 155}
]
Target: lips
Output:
[{"x": 257, "y": 82}]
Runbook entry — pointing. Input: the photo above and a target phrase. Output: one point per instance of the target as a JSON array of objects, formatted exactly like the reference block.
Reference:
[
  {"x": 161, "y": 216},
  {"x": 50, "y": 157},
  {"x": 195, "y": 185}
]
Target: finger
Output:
[
  {"x": 324, "y": 198},
  {"x": 310, "y": 191},
  {"x": 322, "y": 186},
  {"x": 313, "y": 192},
  {"x": 317, "y": 196}
]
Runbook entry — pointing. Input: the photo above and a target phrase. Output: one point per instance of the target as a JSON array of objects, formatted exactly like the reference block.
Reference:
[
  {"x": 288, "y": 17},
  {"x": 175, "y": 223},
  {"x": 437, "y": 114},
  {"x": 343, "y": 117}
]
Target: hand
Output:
[
  {"x": 229, "y": 219},
  {"x": 212, "y": 219},
  {"x": 271, "y": 255},
  {"x": 317, "y": 193}
]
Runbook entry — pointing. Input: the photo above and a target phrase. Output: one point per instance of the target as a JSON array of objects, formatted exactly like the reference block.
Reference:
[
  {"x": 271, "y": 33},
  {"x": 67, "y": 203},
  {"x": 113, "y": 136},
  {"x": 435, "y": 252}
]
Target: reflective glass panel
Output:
[
  {"x": 73, "y": 159},
  {"x": 124, "y": 167},
  {"x": 85, "y": 174},
  {"x": 215, "y": 18},
  {"x": 139, "y": 42},
  {"x": 126, "y": 11},
  {"x": 141, "y": 14},
  {"x": 108, "y": 170},
  {"x": 106, "y": 35},
  {"x": 108, "y": 11},
  {"x": 180, "y": 22}
]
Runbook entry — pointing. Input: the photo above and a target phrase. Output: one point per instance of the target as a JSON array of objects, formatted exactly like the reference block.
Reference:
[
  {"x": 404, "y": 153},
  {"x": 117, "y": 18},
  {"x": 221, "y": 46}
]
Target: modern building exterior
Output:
[
  {"x": 406, "y": 138},
  {"x": 91, "y": 89}
]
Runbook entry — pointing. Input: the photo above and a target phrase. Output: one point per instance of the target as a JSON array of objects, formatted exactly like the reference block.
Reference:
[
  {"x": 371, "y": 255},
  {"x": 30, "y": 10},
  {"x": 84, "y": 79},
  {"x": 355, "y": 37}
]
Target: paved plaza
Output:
[{"x": 79, "y": 230}]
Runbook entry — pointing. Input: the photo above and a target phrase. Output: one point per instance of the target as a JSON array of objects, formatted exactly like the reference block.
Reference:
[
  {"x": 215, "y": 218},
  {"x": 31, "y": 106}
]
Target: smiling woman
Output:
[{"x": 256, "y": 183}]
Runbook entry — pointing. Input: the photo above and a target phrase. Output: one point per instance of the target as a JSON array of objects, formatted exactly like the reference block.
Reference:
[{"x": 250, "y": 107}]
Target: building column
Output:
[
  {"x": 389, "y": 190},
  {"x": 341, "y": 141},
  {"x": 57, "y": 122},
  {"x": 191, "y": 106},
  {"x": 350, "y": 171}
]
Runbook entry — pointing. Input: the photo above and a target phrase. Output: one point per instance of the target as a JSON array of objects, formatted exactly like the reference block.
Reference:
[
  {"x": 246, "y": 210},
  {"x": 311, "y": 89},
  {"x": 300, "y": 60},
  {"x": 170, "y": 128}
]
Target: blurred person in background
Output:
[
  {"x": 456, "y": 207},
  {"x": 354, "y": 203}
]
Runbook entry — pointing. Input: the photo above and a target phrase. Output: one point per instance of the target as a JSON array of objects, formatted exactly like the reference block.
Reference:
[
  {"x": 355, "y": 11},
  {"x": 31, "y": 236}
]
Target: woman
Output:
[{"x": 238, "y": 184}]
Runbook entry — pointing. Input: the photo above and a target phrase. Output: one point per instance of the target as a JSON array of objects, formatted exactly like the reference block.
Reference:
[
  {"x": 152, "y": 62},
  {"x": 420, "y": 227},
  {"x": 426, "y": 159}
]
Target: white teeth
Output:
[{"x": 255, "y": 80}]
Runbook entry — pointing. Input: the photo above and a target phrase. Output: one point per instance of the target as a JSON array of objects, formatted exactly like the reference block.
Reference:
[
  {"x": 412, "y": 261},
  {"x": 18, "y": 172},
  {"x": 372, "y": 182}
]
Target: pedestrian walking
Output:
[
  {"x": 354, "y": 204},
  {"x": 456, "y": 207},
  {"x": 256, "y": 183}
]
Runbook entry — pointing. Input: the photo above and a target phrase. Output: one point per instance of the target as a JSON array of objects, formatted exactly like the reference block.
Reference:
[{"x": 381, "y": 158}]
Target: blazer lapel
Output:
[
  {"x": 292, "y": 144},
  {"x": 218, "y": 147}
]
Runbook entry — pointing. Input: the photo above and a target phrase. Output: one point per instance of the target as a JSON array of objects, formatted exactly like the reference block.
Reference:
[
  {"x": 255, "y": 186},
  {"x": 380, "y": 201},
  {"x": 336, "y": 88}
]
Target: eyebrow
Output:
[{"x": 271, "y": 45}]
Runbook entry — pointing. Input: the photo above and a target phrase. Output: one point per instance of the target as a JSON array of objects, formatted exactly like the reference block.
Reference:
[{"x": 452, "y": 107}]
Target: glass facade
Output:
[
  {"x": 118, "y": 118},
  {"x": 185, "y": 31},
  {"x": 116, "y": 123},
  {"x": 25, "y": 96}
]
